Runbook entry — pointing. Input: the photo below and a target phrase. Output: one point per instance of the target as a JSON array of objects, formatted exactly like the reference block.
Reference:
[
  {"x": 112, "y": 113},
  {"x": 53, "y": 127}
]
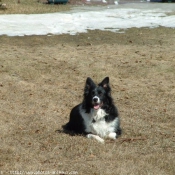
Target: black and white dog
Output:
[{"x": 96, "y": 116}]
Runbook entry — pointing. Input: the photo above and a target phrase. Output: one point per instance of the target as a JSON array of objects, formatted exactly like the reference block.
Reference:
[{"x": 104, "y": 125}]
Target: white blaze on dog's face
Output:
[{"x": 98, "y": 96}]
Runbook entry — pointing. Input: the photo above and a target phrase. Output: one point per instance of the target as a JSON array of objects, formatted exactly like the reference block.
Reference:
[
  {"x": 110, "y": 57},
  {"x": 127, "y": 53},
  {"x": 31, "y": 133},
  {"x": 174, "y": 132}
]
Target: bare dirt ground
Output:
[{"x": 42, "y": 78}]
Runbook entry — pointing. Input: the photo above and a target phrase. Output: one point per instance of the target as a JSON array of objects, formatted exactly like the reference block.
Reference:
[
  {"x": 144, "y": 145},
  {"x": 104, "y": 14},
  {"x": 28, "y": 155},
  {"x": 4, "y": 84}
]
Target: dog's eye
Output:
[
  {"x": 99, "y": 92},
  {"x": 93, "y": 92}
]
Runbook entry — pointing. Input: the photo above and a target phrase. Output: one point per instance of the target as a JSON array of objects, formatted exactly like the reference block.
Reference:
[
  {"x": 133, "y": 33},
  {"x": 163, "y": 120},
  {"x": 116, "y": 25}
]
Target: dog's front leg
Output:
[
  {"x": 92, "y": 136},
  {"x": 112, "y": 135}
]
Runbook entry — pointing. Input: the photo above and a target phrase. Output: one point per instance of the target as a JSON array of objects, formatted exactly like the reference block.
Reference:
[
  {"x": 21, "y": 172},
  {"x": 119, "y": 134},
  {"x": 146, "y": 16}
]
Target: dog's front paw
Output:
[
  {"x": 92, "y": 136},
  {"x": 112, "y": 135}
]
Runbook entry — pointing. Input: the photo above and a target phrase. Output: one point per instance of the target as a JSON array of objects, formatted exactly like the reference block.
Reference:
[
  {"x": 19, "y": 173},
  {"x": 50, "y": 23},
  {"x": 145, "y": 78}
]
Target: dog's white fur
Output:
[{"x": 96, "y": 125}]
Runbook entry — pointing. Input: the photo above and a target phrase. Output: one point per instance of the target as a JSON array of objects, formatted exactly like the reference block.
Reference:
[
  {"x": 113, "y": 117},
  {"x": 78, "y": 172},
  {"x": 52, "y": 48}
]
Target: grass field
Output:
[{"x": 42, "y": 78}]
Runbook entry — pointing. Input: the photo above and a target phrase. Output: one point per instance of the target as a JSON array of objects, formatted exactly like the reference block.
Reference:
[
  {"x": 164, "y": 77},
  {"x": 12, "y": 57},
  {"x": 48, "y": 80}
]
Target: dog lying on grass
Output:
[{"x": 96, "y": 116}]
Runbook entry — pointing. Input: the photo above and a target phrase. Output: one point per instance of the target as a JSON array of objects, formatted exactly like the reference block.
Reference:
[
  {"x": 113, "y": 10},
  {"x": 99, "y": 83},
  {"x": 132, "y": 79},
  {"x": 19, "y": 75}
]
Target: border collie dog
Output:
[{"x": 96, "y": 116}]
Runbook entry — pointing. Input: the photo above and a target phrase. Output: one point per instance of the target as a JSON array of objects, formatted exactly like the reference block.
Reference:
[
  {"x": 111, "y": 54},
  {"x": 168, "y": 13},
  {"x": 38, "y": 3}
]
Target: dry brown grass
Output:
[
  {"x": 42, "y": 78},
  {"x": 31, "y": 7}
]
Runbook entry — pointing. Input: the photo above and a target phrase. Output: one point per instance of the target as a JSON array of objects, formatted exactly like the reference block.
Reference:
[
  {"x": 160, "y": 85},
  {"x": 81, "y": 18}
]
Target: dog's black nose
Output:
[{"x": 95, "y": 99}]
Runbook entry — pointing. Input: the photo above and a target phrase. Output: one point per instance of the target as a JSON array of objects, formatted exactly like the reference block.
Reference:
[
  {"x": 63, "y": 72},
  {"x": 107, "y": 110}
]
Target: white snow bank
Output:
[{"x": 82, "y": 18}]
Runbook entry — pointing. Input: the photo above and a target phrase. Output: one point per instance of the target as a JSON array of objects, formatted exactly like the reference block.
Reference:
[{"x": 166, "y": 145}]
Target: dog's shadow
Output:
[{"x": 64, "y": 131}]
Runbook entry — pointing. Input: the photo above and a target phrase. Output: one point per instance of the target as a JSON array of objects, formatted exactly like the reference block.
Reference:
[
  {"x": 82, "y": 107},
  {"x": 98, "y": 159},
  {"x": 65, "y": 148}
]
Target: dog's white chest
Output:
[{"x": 95, "y": 122}]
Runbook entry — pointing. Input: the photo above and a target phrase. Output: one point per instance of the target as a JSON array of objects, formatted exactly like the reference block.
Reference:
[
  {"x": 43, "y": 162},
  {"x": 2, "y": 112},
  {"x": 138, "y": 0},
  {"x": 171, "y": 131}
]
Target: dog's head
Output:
[{"x": 97, "y": 96}]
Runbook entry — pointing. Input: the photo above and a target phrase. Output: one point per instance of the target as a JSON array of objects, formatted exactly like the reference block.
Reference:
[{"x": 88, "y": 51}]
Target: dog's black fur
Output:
[{"x": 95, "y": 97}]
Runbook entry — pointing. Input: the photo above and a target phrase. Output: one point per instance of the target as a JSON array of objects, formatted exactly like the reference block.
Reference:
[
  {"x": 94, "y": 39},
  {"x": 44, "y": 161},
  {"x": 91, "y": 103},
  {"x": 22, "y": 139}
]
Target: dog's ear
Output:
[
  {"x": 89, "y": 83},
  {"x": 106, "y": 86},
  {"x": 105, "y": 83}
]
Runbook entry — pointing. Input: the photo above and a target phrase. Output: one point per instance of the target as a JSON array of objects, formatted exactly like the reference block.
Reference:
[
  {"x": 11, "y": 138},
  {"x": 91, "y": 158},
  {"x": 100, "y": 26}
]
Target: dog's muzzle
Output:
[{"x": 96, "y": 102}]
